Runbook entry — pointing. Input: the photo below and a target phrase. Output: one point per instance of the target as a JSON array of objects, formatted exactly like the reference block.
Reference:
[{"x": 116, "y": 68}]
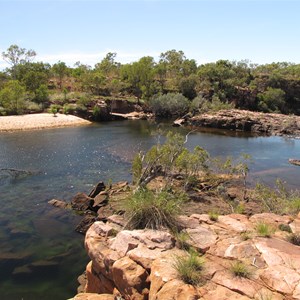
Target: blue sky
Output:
[{"x": 261, "y": 31}]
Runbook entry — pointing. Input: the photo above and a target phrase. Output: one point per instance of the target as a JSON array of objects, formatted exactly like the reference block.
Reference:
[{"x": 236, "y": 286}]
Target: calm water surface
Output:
[{"x": 40, "y": 254}]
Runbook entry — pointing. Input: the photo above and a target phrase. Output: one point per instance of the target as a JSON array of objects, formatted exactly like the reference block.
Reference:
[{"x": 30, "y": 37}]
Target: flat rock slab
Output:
[{"x": 201, "y": 238}]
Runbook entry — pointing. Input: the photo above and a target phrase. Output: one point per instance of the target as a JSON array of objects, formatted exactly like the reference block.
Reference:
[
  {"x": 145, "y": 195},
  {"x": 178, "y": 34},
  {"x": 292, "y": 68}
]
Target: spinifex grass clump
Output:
[
  {"x": 154, "y": 210},
  {"x": 189, "y": 268},
  {"x": 264, "y": 230},
  {"x": 240, "y": 269}
]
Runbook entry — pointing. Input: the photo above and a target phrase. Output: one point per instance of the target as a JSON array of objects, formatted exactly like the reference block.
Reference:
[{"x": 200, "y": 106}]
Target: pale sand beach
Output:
[{"x": 39, "y": 121}]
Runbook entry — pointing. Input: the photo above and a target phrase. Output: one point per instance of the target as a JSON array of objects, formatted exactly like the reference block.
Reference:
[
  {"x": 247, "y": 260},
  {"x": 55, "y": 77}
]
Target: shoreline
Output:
[{"x": 38, "y": 122}]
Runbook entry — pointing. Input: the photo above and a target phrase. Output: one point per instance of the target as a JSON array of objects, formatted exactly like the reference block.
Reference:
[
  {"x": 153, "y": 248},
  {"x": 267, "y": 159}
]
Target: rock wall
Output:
[
  {"x": 242, "y": 120},
  {"x": 139, "y": 264}
]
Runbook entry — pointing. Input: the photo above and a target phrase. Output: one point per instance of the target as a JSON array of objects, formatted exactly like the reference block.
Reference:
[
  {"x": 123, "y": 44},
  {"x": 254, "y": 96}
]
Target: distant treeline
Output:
[{"x": 173, "y": 85}]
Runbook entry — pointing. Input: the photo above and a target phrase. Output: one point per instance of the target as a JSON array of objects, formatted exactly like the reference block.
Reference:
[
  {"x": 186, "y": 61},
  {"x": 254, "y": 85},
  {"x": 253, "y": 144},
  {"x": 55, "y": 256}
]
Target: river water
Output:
[{"x": 40, "y": 254}]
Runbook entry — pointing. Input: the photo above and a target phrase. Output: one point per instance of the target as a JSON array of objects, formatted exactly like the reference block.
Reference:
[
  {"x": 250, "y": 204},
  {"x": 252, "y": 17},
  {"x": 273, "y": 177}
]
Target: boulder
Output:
[
  {"x": 58, "y": 203},
  {"x": 235, "y": 222},
  {"x": 82, "y": 202},
  {"x": 201, "y": 238},
  {"x": 127, "y": 240},
  {"x": 281, "y": 279},
  {"x": 213, "y": 291},
  {"x": 177, "y": 289},
  {"x": 97, "y": 282},
  {"x": 162, "y": 271},
  {"x": 270, "y": 218},
  {"x": 243, "y": 286},
  {"x": 92, "y": 296},
  {"x": 99, "y": 187},
  {"x": 85, "y": 223},
  {"x": 130, "y": 278}
]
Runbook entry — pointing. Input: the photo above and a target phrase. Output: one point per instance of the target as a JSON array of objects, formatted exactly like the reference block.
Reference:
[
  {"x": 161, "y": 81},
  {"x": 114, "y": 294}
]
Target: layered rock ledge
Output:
[
  {"x": 243, "y": 120},
  {"x": 139, "y": 264}
]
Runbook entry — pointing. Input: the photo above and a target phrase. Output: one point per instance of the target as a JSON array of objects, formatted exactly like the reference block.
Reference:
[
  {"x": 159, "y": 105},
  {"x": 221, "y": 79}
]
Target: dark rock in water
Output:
[
  {"x": 85, "y": 223},
  {"x": 58, "y": 203},
  {"x": 82, "y": 202},
  {"x": 295, "y": 162},
  {"x": 43, "y": 265},
  {"x": 23, "y": 271},
  {"x": 14, "y": 256},
  {"x": 97, "y": 189},
  {"x": 101, "y": 199}
]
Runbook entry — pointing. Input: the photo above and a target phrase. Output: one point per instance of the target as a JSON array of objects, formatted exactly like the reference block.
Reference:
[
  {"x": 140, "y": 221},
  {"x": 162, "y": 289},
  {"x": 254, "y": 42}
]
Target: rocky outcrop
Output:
[
  {"x": 139, "y": 264},
  {"x": 242, "y": 120}
]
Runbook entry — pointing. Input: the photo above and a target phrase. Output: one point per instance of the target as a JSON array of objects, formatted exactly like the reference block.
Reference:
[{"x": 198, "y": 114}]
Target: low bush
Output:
[
  {"x": 285, "y": 227},
  {"x": 294, "y": 238},
  {"x": 189, "y": 268},
  {"x": 155, "y": 210},
  {"x": 170, "y": 104},
  {"x": 213, "y": 216}
]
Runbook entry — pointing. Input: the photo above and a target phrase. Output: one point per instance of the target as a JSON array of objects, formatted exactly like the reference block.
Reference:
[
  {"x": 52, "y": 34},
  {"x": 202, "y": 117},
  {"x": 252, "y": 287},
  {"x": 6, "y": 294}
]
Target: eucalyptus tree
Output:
[
  {"x": 16, "y": 55},
  {"x": 60, "y": 70}
]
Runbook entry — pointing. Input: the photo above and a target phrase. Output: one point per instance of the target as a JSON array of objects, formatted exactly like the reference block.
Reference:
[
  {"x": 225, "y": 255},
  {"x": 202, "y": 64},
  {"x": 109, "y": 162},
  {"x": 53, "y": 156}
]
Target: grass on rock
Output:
[
  {"x": 189, "y": 268},
  {"x": 154, "y": 210}
]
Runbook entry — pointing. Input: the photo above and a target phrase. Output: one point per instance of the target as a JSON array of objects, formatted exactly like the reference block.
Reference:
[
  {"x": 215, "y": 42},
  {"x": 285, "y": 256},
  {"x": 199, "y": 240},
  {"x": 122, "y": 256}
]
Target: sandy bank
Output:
[{"x": 39, "y": 121}]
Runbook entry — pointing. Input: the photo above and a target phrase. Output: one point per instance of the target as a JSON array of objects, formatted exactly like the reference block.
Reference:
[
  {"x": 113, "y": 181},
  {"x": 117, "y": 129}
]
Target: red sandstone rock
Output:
[
  {"x": 91, "y": 296},
  {"x": 201, "y": 238},
  {"x": 130, "y": 278}
]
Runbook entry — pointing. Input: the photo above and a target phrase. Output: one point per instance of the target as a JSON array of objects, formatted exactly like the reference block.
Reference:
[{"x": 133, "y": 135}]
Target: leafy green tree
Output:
[
  {"x": 60, "y": 69},
  {"x": 140, "y": 75},
  {"x": 272, "y": 100},
  {"x": 108, "y": 65},
  {"x": 41, "y": 94},
  {"x": 33, "y": 75},
  {"x": 15, "y": 55},
  {"x": 187, "y": 87},
  {"x": 12, "y": 97}
]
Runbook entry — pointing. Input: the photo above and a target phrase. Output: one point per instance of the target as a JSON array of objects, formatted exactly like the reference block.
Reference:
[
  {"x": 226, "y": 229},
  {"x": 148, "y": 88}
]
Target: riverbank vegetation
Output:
[
  {"x": 173, "y": 85},
  {"x": 169, "y": 176}
]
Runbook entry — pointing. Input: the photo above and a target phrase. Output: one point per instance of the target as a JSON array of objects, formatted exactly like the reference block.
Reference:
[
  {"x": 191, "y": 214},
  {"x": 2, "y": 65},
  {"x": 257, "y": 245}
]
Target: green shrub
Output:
[
  {"x": 285, "y": 227},
  {"x": 54, "y": 109},
  {"x": 189, "y": 268},
  {"x": 294, "y": 238},
  {"x": 240, "y": 269},
  {"x": 278, "y": 200},
  {"x": 169, "y": 105},
  {"x": 213, "y": 216},
  {"x": 264, "y": 230},
  {"x": 147, "y": 209}
]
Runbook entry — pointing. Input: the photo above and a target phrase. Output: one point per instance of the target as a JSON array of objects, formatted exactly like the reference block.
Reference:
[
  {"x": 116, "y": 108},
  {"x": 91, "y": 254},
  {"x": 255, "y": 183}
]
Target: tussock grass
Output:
[
  {"x": 189, "y": 268},
  {"x": 264, "y": 230},
  {"x": 148, "y": 209},
  {"x": 240, "y": 269}
]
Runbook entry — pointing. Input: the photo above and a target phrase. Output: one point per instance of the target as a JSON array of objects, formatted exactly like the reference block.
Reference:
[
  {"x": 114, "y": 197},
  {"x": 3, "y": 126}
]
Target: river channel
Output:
[{"x": 40, "y": 254}]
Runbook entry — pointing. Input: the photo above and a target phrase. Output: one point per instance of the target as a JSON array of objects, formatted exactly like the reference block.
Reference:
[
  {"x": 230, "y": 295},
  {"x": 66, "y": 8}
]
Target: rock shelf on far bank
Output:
[{"x": 248, "y": 121}]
